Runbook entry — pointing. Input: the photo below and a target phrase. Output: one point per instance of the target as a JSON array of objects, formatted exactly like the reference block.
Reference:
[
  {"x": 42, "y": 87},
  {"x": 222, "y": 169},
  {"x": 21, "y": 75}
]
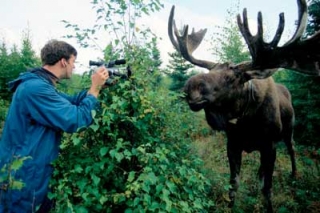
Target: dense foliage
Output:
[
  {"x": 13, "y": 61},
  {"x": 136, "y": 155},
  {"x": 132, "y": 159}
]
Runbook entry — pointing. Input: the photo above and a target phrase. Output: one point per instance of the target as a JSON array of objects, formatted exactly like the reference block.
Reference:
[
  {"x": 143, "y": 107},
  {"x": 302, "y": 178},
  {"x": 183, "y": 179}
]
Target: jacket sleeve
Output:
[
  {"x": 47, "y": 107},
  {"x": 75, "y": 99}
]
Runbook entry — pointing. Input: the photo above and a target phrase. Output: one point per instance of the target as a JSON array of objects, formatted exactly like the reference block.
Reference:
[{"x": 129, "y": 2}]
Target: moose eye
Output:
[{"x": 203, "y": 88}]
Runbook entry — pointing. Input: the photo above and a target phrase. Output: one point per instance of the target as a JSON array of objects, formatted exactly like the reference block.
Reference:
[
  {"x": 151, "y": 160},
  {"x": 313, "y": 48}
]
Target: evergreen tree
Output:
[
  {"x": 179, "y": 71},
  {"x": 15, "y": 61},
  {"x": 4, "y": 66},
  {"x": 155, "y": 52},
  {"x": 12, "y": 62},
  {"x": 155, "y": 63},
  {"x": 29, "y": 59}
]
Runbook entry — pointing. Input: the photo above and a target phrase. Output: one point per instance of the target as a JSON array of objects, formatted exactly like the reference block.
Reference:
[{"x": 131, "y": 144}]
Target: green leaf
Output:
[
  {"x": 76, "y": 141},
  {"x": 136, "y": 201},
  {"x": 96, "y": 180},
  {"x": 103, "y": 199},
  {"x": 119, "y": 156},
  {"x": 78, "y": 168},
  {"x": 154, "y": 206},
  {"x": 15, "y": 184},
  {"x": 112, "y": 153},
  {"x": 131, "y": 176},
  {"x": 82, "y": 183},
  {"x": 172, "y": 187},
  {"x": 197, "y": 204},
  {"x": 103, "y": 151},
  {"x": 152, "y": 178},
  {"x": 81, "y": 209},
  {"x": 94, "y": 127},
  {"x": 85, "y": 196},
  {"x": 17, "y": 163},
  {"x": 93, "y": 113},
  {"x": 147, "y": 199},
  {"x": 168, "y": 205},
  {"x": 159, "y": 188},
  {"x": 128, "y": 211}
]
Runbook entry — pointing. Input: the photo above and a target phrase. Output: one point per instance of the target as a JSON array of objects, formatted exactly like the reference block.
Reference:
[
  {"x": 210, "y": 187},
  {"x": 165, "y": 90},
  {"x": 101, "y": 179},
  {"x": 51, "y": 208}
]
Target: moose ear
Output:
[
  {"x": 247, "y": 75},
  {"x": 244, "y": 71},
  {"x": 259, "y": 74}
]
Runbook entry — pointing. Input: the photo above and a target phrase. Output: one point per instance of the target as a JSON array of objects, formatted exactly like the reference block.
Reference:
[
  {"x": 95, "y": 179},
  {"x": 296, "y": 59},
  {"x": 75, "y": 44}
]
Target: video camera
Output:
[{"x": 113, "y": 71}]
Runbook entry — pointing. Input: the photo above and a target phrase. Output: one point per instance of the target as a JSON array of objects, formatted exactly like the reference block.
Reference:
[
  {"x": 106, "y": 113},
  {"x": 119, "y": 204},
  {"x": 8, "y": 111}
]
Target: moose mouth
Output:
[{"x": 197, "y": 105}]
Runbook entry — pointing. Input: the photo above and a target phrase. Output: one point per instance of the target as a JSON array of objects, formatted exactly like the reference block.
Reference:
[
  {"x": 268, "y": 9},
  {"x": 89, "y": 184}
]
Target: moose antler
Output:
[
  {"x": 186, "y": 43},
  {"x": 297, "y": 54}
]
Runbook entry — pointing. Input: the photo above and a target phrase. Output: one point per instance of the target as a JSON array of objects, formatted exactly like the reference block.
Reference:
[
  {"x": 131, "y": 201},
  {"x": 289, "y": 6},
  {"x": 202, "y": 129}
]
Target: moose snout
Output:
[{"x": 197, "y": 105}]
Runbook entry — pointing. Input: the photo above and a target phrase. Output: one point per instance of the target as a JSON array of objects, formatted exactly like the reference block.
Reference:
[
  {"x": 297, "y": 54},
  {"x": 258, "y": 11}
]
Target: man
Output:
[{"x": 37, "y": 116}]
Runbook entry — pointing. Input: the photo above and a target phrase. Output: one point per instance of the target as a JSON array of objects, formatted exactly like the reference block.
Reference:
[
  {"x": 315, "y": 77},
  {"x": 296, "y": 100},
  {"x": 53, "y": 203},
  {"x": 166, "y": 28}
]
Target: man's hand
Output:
[{"x": 98, "y": 79}]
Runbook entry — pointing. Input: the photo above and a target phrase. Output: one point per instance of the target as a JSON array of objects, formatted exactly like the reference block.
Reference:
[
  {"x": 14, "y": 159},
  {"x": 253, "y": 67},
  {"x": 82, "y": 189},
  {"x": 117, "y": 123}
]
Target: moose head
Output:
[{"x": 242, "y": 99}]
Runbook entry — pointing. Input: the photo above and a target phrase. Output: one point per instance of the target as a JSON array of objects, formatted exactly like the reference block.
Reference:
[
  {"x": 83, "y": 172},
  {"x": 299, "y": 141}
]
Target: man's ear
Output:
[{"x": 63, "y": 62}]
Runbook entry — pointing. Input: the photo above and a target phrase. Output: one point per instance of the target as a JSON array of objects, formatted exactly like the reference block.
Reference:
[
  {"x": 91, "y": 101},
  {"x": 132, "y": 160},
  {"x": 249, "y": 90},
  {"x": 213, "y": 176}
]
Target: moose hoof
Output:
[
  {"x": 231, "y": 204},
  {"x": 269, "y": 207},
  {"x": 232, "y": 196},
  {"x": 268, "y": 202}
]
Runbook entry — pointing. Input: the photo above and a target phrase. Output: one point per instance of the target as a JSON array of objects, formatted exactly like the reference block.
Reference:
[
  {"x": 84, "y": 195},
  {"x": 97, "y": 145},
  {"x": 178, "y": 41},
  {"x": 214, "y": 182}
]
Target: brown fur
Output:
[{"x": 254, "y": 113}]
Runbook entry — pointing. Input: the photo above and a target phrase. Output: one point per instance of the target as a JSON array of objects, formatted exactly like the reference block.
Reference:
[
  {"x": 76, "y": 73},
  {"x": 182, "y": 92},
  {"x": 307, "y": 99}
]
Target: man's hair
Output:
[{"x": 55, "y": 50}]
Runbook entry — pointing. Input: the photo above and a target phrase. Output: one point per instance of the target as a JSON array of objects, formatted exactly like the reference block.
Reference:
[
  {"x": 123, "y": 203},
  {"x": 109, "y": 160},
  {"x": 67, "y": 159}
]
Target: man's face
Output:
[{"x": 69, "y": 66}]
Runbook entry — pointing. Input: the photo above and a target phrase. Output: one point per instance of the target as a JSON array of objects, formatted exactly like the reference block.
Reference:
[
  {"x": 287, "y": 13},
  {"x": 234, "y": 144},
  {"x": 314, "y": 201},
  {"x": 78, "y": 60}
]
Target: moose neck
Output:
[{"x": 231, "y": 109}]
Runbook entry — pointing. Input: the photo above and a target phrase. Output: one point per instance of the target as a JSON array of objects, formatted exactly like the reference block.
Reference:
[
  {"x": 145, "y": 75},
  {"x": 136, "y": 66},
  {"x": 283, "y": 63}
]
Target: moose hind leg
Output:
[
  {"x": 292, "y": 158},
  {"x": 268, "y": 157},
  {"x": 234, "y": 157},
  {"x": 288, "y": 140},
  {"x": 260, "y": 173},
  {"x": 291, "y": 151}
]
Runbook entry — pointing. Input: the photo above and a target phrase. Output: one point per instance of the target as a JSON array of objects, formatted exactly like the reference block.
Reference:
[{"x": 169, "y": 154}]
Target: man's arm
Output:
[{"x": 49, "y": 108}]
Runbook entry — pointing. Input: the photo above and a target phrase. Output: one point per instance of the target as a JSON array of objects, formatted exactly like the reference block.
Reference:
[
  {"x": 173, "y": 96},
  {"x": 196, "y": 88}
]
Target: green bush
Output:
[{"x": 135, "y": 157}]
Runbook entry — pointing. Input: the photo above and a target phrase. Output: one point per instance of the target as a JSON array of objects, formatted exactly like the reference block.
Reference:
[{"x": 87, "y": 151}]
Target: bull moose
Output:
[{"x": 242, "y": 99}]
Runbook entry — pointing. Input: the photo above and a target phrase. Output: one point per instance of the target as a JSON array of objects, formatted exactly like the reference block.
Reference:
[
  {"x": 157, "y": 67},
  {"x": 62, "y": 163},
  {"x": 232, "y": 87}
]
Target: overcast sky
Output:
[{"x": 43, "y": 18}]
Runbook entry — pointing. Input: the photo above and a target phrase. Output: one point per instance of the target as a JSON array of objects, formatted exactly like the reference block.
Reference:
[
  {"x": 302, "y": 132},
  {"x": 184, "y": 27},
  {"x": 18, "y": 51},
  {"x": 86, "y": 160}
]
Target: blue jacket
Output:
[{"x": 36, "y": 119}]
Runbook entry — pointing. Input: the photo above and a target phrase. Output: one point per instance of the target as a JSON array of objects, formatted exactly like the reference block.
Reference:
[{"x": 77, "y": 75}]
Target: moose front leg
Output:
[
  {"x": 234, "y": 157},
  {"x": 268, "y": 157}
]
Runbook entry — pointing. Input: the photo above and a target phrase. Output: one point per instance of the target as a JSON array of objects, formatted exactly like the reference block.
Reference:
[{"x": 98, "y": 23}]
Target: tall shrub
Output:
[{"x": 135, "y": 156}]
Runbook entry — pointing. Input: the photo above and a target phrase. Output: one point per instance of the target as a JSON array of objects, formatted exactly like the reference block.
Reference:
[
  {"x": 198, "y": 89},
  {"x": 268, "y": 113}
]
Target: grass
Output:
[{"x": 292, "y": 195}]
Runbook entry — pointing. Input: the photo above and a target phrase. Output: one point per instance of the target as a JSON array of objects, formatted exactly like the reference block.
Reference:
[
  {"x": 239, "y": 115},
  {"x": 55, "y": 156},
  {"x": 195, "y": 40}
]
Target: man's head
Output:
[{"x": 61, "y": 55}]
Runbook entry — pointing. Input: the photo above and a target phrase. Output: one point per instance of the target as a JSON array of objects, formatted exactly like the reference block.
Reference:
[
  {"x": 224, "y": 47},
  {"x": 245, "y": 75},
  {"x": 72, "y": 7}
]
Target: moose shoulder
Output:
[{"x": 243, "y": 100}]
